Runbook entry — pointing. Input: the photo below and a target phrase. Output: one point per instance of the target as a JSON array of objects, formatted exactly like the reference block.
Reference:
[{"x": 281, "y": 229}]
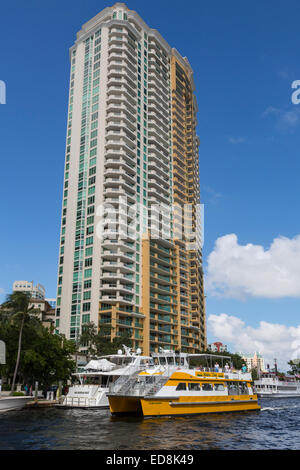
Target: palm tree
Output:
[{"x": 17, "y": 304}]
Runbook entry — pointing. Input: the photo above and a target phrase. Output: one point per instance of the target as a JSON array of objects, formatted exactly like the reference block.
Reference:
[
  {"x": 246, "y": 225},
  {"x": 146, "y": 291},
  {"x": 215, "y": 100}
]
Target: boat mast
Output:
[{"x": 275, "y": 367}]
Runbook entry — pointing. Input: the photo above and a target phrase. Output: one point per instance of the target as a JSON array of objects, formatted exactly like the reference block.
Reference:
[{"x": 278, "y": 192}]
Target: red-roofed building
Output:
[{"x": 217, "y": 347}]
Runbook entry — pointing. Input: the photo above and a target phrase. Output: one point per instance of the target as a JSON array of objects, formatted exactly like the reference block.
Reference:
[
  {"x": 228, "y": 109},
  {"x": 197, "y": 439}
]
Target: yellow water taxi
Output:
[{"x": 171, "y": 387}]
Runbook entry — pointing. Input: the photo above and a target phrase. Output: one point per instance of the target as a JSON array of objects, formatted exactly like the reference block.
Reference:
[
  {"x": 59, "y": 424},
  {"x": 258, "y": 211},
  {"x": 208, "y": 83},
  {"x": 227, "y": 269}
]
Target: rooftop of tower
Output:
[{"x": 105, "y": 16}]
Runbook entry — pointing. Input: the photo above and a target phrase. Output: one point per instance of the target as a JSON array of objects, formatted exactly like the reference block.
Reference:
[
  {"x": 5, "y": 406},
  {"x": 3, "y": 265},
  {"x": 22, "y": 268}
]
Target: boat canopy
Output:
[
  {"x": 210, "y": 356},
  {"x": 210, "y": 359},
  {"x": 102, "y": 364}
]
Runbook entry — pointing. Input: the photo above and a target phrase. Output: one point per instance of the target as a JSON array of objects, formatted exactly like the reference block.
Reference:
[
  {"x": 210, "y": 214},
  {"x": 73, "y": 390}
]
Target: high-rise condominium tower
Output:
[{"x": 131, "y": 157}]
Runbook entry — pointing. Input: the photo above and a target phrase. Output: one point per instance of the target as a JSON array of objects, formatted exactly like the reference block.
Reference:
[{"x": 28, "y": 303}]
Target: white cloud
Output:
[
  {"x": 285, "y": 120},
  {"x": 270, "y": 339},
  {"x": 240, "y": 271},
  {"x": 284, "y": 74},
  {"x": 270, "y": 110},
  {"x": 211, "y": 195},
  {"x": 236, "y": 140}
]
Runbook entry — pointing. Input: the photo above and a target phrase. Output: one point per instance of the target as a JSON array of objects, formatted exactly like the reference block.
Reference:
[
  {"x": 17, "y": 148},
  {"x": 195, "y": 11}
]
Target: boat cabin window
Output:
[
  {"x": 287, "y": 388},
  {"x": 194, "y": 387},
  {"x": 243, "y": 388},
  {"x": 177, "y": 360},
  {"x": 92, "y": 380},
  {"x": 207, "y": 387},
  {"x": 219, "y": 387},
  {"x": 149, "y": 379},
  {"x": 146, "y": 362},
  {"x": 181, "y": 386},
  {"x": 95, "y": 380},
  {"x": 233, "y": 388},
  {"x": 168, "y": 360},
  {"x": 121, "y": 361}
]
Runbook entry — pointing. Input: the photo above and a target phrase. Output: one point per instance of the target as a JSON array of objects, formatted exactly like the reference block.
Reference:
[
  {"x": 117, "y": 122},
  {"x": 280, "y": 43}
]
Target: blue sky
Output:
[{"x": 245, "y": 55}]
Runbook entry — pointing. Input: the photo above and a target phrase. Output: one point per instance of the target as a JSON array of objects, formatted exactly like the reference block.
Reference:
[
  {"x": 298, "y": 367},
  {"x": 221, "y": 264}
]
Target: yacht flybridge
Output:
[
  {"x": 172, "y": 387},
  {"x": 98, "y": 374}
]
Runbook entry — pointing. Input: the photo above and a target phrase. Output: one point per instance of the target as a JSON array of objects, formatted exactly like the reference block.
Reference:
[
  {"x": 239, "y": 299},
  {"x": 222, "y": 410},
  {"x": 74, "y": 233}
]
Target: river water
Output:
[{"x": 276, "y": 426}]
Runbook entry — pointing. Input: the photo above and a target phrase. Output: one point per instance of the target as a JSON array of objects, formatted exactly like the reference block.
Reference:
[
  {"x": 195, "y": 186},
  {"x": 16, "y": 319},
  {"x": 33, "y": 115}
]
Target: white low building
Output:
[
  {"x": 254, "y": 362},
  {"x": 36, "y": 292}
]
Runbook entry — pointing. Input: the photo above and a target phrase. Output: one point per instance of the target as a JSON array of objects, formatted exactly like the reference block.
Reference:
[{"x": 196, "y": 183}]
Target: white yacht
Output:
[
  {"x": 270, "y": 385},
  {"x": 98, "y": 374},
  {"x": 10, "y": 403}
]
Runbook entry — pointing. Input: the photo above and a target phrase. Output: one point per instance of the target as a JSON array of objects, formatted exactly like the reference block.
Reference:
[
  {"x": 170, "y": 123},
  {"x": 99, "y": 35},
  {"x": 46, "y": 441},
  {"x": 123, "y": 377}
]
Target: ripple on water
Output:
[{"x": 275, "y": 426}]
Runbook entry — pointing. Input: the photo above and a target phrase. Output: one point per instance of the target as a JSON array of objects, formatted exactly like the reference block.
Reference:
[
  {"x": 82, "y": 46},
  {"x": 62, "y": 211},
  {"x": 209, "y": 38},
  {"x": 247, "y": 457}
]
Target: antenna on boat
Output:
[{"x": 127, "y": 350}]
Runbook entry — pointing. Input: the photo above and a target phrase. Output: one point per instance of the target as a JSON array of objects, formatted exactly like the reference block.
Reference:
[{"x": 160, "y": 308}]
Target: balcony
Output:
[{"x": 113, "y": 161}]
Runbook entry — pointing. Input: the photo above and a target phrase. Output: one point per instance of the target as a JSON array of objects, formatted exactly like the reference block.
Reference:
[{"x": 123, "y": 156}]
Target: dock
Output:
[{"x": 42, "y": 403}]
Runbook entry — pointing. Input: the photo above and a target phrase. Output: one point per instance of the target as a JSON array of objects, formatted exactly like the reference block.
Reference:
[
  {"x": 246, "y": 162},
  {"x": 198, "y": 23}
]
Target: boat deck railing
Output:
[
  {"x": 138, "y": 385},
  {"x": 151, "y": 389},
  {"x": 123, "y": 382},
  {"x": 79, "y": 402}
]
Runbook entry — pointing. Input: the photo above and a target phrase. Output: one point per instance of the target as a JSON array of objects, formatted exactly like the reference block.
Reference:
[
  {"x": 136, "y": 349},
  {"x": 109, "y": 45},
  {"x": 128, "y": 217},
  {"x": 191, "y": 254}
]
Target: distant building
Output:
[
  {"x": 43, "y": 311},
  {"x": 254, "y": 362},
  {"x": 52, "y": 302},
  {"x": 47, "y": 312},
  {"x": 217, "y": 347},
  {"x": 38, "y": 301},
  {"x": 36, "y": 292}
]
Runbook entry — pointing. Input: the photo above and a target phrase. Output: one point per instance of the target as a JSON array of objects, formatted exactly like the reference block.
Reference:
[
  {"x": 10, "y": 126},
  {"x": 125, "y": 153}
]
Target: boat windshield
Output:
[
  {"x": 174, "y": 360},
  {"x": 121, "y": 361},
  {"x": 170, "y": 360},
  {"x": 100, "y": 380}
]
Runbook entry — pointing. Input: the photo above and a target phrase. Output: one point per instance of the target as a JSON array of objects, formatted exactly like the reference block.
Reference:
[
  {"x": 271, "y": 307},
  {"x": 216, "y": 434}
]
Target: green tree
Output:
[
  {"x": 88, "y": 337},
  {"x": 48, "y": 359},
  {"x": 118, "y": 341},
  {"x": 254, "y": 373},
  {"x": 100, "y": 343},
  {"x": 42, "y": 357},
  {"x": 295, "y": 367},
  {"x": 17, "y": 308}
]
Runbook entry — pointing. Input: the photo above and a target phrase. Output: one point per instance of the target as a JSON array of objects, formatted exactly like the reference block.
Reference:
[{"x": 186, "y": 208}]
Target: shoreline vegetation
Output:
[{"x": 36, "y": 353}]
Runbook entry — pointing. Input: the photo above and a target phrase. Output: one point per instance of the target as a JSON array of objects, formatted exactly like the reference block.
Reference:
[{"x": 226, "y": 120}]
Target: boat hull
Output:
[
  {"x": 171, "y": 406},
  {"x": 278, "y": 395},
  {"x": 125, "y": 405},
  {"x": 86, "y": 397},
  {"x": 13, "y": 403}
]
